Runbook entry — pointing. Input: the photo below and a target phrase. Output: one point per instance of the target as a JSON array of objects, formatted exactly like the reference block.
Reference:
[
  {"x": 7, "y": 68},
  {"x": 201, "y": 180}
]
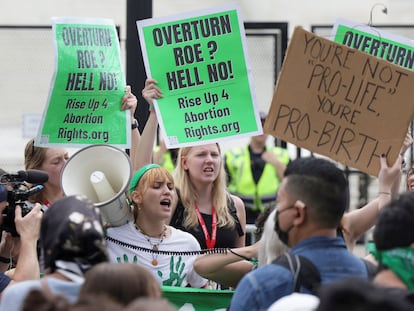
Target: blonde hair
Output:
[
  {"x": 148, "y": 180},
  {"x": 188, "y": 194}
]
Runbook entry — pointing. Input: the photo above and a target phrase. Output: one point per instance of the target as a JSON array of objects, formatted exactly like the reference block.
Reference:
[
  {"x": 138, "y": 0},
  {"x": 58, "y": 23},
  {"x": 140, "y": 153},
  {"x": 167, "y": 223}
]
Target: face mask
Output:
[{"x": 283, "y": 235}]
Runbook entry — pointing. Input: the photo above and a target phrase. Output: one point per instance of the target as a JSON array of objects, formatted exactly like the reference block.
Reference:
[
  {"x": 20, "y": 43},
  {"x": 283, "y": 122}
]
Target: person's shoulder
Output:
[
  {"x": 178, "y": 233},
  {"x": 237, "y": 200},
  {"x": 271, "y": 271},
  {"x": 270, "y": 282},
  {"x": 237, "y": 206},
  {"x": 19, "y": 290},
  {"x": 119, "y": 229},
  {"x": 124, "y": 232},
  {"x": 68, "y": 289},
  {"x": 22, "y": 285},
  {"x": 188, "y": 239}
]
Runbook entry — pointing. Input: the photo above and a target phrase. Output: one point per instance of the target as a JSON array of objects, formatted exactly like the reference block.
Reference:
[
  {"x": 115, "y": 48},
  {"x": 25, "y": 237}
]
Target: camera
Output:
[
  {"x": 17, "y": 197},
  {"x": 18, "y": 194}
]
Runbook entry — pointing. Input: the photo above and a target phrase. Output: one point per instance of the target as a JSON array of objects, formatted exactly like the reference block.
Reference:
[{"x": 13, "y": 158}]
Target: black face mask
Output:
[{"x": 283, "y": 235}]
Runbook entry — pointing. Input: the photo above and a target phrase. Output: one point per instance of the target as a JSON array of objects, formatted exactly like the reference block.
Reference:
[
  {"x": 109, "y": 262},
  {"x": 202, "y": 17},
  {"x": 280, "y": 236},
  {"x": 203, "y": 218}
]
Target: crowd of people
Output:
[{"x": 188, "y": 229}]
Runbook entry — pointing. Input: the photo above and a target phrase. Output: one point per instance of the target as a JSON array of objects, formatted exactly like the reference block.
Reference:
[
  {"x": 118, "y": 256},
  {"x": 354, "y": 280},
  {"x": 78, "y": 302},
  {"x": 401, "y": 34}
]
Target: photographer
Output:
[{"x": 28, "y": 227}]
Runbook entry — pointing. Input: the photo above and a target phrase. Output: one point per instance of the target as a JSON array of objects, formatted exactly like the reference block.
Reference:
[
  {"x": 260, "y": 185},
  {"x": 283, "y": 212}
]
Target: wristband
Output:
[
  {"x": 134, "y": 125},
  {"x": 4, "y": 259},
  {"x": 151, "y": 107}
]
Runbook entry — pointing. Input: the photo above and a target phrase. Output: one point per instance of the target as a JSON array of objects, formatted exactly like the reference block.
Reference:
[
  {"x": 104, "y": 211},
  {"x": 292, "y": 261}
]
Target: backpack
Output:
[
  {"x": 306, "y": 274},
  {"x": 304, "y": 271}
]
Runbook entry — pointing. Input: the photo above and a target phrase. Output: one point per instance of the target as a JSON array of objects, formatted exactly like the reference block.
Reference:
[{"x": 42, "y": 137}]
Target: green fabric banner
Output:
[
  {"x": 198, "y": 299},
  {"x": 88, "y": 84}
]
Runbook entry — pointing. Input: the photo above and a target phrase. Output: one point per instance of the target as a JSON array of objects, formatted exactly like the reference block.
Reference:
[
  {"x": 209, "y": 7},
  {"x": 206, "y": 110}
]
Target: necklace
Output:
[{"x": 154, "y": 246}]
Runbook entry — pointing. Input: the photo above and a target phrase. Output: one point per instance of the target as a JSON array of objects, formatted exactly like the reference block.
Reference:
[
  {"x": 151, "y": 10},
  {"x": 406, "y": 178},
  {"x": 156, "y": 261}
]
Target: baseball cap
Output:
[{"x": 72, "y": 231}]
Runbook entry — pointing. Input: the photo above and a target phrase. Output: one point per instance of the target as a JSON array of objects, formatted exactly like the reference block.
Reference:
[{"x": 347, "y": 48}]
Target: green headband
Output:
[{"x": 137, "y": 176}]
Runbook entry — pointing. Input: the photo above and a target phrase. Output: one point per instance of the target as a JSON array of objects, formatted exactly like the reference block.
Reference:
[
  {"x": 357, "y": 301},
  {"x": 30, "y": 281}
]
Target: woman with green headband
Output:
[
  {"x": 205, "y": 208},
  {"x": 167, "y": 252}
]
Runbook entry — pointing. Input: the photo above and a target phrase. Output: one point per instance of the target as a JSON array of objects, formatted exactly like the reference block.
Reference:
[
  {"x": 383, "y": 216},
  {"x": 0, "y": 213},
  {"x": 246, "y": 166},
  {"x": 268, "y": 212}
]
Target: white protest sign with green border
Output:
[
  {"x": 199, "y": 60},
  {"x": 87, "y": 87},
  {"x": 396, "y": 49}
]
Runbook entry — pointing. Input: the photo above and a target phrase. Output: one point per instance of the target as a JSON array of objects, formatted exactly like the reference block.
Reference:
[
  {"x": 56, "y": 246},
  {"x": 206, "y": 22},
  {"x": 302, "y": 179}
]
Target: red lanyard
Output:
[{"x": 210, "y": 242}]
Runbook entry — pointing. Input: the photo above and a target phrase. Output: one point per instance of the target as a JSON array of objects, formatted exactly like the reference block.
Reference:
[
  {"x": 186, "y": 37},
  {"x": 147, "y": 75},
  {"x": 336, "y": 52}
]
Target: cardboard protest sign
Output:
[
  {"x": 341, "y": 103},
  {"x": 388, "y": 46},
  {"x": 200, "y": 63},
  {"x": 87, "y": 87}
]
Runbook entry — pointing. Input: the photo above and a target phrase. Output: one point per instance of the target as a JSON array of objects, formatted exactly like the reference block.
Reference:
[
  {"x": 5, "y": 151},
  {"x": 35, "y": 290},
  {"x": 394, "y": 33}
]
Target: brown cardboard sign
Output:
[{"x": 342, "y": 103}]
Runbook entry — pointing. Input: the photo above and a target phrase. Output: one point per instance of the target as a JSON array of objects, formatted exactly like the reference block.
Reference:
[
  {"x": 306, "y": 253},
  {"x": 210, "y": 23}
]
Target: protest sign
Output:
[
  {"x": 87, "y": 87},
  {"x": 200, "y": 63},
  {"x": 388, "y": 46},
  {"x": 341, "y": 102}
]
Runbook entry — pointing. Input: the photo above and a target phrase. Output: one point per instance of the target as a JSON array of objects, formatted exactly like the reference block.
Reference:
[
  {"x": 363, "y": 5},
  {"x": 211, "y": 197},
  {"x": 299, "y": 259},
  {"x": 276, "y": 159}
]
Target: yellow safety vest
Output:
[
  {"x": 166, "y": 161},
  {"x": 241, "y": 181}
]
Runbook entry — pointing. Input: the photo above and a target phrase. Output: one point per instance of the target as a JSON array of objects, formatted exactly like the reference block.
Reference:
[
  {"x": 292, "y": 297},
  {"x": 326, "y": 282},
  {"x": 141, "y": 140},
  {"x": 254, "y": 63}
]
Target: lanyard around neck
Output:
[{"x": 210, "y": 242}]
